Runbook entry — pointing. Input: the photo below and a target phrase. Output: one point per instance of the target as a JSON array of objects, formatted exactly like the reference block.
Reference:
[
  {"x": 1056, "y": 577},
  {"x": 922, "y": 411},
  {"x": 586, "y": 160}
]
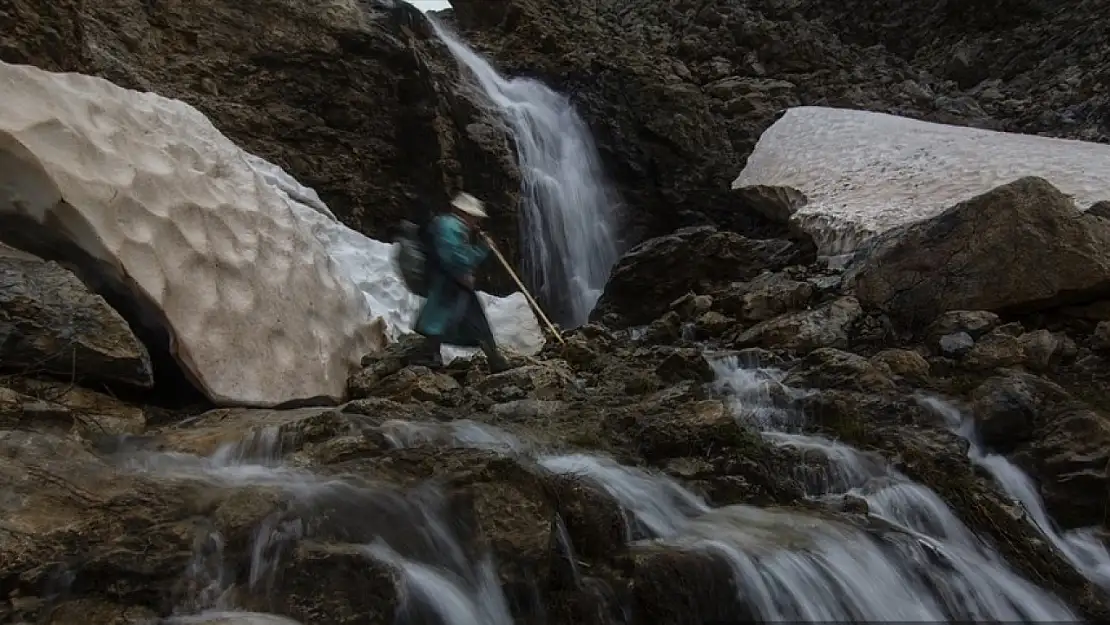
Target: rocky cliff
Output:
[{"x": 678, "y": 91}]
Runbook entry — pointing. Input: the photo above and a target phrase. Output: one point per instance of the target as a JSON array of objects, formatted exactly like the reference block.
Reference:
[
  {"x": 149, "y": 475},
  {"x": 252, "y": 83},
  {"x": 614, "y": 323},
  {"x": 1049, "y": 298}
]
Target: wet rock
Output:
[
  {"x": 690, "y": 305},
  {"x": 666, "y": 329},
  {"x": 1014, "y": 328},
  {"x": 1008, "y": 409},
  {"x": 771, "y": 294},
  {"x": 55, "y": 406},
  {"x": 1044, "y": 350},
  {"x": 825, "y": 326},
  {"x": 100, "y": 613},
  {"x": 996, "y": 350},
  {"x": 1071, "y": 458},
  {"x": 903, "y": 363},
  {"x": 360, "y": 589},
  {"x": 69, "y": 511},
  {"x": 684, "y": 587},
  {"x": 525, "y": 409},
  {"x": 956, "y": 345},
  {"x": 833, "y": 368},
  {"x": 713, "y": 324},
  {"x": 659, "y": 271},
  {"x": 595, "y": 524},
  {"x": 51, "y": 323},
  {"x": 538, "y": 381},
  {"x": 703, "y": 428},
  {"x": 974, "y": 323},
  {"x": 642, "y": 384},
  {"x": 967, "y": 252},
  {"x": 414, "y": 383},
  {"x": 579, "y": 352},
  {"x": 684, "y": 364},
  {"x": 247, "y": 432}
]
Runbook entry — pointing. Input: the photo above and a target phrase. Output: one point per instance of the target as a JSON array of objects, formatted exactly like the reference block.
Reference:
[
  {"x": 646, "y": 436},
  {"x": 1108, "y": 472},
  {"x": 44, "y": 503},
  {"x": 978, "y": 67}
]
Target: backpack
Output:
[{"x": 412, "y": 257}]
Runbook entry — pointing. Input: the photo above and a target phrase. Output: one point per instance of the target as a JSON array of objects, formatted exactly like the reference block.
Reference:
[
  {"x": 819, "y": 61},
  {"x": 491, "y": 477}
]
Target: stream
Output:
[{"x": 921, "y": 564}]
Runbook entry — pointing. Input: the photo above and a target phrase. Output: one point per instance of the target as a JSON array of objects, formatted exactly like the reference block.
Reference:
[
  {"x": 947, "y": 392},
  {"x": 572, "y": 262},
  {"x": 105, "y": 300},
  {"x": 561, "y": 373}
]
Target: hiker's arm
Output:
[{"x": 458, "y": 255}]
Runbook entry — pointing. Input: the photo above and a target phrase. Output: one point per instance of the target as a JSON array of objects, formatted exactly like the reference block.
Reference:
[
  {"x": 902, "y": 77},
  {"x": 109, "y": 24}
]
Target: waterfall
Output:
[{"x": 568, "y": 217}]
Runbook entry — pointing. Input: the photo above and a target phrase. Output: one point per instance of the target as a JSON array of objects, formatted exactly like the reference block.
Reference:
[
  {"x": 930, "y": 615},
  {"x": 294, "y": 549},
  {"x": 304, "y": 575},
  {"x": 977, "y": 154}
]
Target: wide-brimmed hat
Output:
[{"x": 469, "y": 204}]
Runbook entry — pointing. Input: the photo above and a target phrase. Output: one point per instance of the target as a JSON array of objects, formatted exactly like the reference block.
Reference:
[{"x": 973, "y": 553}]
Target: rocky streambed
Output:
[{"x": 751, "y": 436}]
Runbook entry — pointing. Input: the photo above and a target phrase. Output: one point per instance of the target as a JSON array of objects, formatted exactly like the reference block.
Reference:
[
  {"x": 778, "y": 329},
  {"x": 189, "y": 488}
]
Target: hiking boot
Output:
[
  {"x": 496, "y": 361},
  {"x": 428, "y": 354}
]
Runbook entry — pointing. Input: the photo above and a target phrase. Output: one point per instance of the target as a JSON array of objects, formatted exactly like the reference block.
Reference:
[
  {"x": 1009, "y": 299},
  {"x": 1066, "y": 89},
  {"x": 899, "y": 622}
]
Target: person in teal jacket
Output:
[{"x": 452, "y": 314}]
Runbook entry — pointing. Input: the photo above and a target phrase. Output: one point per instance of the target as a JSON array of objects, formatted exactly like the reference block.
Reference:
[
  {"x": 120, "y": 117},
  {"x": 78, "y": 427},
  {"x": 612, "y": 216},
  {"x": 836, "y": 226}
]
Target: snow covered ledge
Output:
[
  {"x": 265, "y": 296},
  {"x": 865, "y": 173}
]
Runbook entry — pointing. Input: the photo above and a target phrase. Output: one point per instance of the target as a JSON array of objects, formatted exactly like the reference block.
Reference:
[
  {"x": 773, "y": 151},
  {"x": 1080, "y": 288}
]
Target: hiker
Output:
[{"x": 453, "y": 314}]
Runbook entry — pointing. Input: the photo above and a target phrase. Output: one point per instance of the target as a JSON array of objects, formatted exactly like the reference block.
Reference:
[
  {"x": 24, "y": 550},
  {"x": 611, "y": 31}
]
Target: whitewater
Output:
[{"x": 916, "y": 562}]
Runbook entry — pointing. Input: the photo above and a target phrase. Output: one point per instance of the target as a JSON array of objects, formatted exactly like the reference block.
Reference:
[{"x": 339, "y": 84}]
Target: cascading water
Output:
[
  {"x": 436, "y": 573},
  {"x": 916, "y": 561},
  {"x": 568, "y": 222},
  {"x": 1081, "y": 547},
  {"x": 925, "y": 566}
]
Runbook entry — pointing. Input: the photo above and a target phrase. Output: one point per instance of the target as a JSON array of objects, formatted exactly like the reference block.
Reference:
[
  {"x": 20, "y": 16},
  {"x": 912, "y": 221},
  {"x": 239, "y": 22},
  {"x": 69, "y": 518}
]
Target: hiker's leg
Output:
[
  {"x": 481, "y": 328},
  {"x": 428, "y": 354},
  {"x": 497, "y": 362}
]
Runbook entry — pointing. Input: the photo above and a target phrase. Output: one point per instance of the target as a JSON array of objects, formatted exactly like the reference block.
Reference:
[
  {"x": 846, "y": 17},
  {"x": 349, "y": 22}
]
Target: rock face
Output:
[
  {"x": 655, "y": 273},
  {"x": 1022, "y": 246},
  {"x": 1007, "y": 56},
  {"x": 677, "y": 93},
  {"x": 144, "y": 193},
  {"x": 392, "y": 138},
  {"x": 865, "y": 173},
  {"x": 49, "y": 322}
]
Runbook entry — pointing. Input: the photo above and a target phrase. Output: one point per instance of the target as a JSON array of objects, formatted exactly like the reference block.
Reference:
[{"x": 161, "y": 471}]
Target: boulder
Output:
[
  {"x": 264, "y": 434},
  {"x": 201, "y": 239},
  {"x": 1071, "y": 459},
  {"x": 995, "y": 350},
  {"x": 1010, "y": 408},
  {"x": 828, "y": 325},
  {"x": 974, "y": 323},
  {"x": 955, "y": 345},
  {"x": 70, "y": 515},
  {"x": 902, "y": 363},
  {"x": 51, "y": 323},
  {"x": 832, "y": 368},
  {"x": 61, "y": 408},
  {"x": 834, "y": 156},
  {"x": 1044, "y": 350},
  {"x": 769, "y": 295},
  {"x": 659, "y": 271},
  {"x": 1022, "y": 246}
]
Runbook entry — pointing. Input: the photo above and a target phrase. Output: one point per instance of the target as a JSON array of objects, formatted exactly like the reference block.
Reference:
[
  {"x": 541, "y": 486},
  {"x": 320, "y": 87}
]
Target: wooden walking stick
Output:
[{"x": 523, "y": 289}]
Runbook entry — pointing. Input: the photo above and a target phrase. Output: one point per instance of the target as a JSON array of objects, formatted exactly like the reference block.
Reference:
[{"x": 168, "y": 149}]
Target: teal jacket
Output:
[{"x": 449, "y": 305}]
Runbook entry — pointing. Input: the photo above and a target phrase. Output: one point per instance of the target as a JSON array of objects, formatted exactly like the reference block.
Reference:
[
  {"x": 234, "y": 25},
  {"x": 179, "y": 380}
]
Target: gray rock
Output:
[
  {"x": 50, "y": 322},
  {"x": 956, "y": 345},
  {"x": 824, "y": 326},
  {"x": 981, "y": 255}
]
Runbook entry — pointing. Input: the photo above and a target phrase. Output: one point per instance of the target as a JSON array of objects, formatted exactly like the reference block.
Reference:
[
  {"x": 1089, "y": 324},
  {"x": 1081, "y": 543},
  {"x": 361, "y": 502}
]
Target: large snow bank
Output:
[
  {"x": 865, "y": 173},
  {"x": 267, "y": 297}
]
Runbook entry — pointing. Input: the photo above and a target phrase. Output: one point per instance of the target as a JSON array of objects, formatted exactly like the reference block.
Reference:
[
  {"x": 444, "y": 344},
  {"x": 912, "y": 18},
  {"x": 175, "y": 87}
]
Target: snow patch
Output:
[
  {"x": 865, "y": 173},
  {"x": 266, "y": 295}
]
